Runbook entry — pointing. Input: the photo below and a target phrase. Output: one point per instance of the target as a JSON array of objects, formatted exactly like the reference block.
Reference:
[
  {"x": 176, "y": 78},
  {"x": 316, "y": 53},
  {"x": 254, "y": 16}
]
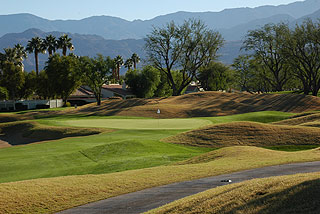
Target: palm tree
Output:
[
  {"x": 135, "y": 59},
  {"x": 21, "y": 54},
  {"x": 64, "y": 43},
  {"x": 10, "y": 55},
  {"x": 15, "y": 55},
  {"x": 114, "y": 69},
  {"x": 119, "y": 62},
  {"x": 128, "y": 64},
  {"x": 51, "y": 44},
  {"x": 35, "y": 45}
]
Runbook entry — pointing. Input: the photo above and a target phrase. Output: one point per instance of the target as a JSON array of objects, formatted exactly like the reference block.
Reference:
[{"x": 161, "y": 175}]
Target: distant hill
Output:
[
  {"x": 238, "y": 32},
  {"x": 113, "y": 36},
  {"x": 90, "y": 45},
  {"x": 85, "y": 45},
  {"x": 118, "y": 29}
]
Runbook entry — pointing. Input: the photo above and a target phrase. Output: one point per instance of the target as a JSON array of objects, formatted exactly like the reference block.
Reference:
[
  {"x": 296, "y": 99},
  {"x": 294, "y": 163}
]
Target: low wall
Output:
[{"x": 30, "y": 104}]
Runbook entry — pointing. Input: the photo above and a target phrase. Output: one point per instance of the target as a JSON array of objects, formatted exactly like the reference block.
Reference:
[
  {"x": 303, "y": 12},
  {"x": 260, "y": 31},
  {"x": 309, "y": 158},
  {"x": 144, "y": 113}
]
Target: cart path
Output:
[{"x": 142, "y": 201}]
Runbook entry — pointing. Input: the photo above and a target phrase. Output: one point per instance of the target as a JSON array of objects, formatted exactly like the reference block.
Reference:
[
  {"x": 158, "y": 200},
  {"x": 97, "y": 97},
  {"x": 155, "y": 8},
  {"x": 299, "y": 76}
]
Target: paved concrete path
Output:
[{"x": 142, "y": 201}]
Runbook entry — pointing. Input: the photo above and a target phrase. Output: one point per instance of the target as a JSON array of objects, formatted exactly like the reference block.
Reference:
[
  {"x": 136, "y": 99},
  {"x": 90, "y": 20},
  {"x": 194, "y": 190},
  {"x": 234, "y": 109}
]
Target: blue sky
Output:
[{"x": 127, "y": 9}]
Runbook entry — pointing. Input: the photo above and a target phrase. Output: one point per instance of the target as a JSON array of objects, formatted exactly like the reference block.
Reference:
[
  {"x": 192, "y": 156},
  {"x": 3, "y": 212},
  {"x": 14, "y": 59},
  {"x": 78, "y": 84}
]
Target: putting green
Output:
[{"x": 139, "y": 123}]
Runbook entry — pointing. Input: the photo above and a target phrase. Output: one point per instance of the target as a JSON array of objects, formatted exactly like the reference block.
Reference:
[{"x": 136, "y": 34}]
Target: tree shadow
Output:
[
  {"x": 27, "y": 133},
  {"x": 301, "y": 198}
]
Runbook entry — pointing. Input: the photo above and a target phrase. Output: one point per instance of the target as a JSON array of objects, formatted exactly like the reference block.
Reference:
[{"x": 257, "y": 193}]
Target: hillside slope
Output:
[
  {"x": 296, "y": 194},
  {"x": 203, "y": 104},
  {"x": 248, "y": 134}
]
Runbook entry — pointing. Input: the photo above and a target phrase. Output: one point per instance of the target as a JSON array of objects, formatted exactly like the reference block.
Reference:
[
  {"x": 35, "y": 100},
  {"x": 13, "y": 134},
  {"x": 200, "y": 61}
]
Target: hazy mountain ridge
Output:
[
  {"x": 117, "y": 28},
  {"x": 91, "y": 45},
  {"x": 92, "y": 35}
]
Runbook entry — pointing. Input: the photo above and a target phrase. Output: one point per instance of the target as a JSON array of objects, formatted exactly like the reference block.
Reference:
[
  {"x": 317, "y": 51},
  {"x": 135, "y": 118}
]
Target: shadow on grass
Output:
[
  {"x": 22, "y": 133},
  {"x": 292, "y": 148},
  {"x": 302, "y": 198}
]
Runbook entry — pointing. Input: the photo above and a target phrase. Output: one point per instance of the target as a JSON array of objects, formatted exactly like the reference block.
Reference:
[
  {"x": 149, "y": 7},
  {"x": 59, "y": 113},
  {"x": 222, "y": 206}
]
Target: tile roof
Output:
[
  {"x": 82, "y": 92},
  {"x": 117, "y": 89}
]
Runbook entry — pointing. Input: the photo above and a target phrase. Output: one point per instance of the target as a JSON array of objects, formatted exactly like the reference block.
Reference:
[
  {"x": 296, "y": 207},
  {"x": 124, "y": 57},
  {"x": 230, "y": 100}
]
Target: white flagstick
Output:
[{"x": 158, "y": 112}]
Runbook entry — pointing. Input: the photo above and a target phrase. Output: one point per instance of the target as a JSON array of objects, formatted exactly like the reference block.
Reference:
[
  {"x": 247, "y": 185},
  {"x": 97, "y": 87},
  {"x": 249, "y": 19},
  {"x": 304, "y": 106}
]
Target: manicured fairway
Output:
[
  {"x": 104, "y": 153},
  {"x": 134, "y": 124},
  {"x": 137, "y": 143}
]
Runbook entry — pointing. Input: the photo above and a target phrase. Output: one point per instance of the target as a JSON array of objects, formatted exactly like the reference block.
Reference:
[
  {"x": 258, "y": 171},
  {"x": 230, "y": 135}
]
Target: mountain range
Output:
[{"x": 115, "y": 36}]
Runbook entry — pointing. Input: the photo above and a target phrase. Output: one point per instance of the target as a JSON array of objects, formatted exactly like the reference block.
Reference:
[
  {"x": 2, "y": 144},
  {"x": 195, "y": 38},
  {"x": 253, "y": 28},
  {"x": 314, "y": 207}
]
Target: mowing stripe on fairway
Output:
[{"x": 150, "y": 124}]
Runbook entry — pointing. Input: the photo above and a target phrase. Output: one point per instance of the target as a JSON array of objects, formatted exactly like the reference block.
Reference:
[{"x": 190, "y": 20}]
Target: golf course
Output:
[{"x": 53, "y": 160}]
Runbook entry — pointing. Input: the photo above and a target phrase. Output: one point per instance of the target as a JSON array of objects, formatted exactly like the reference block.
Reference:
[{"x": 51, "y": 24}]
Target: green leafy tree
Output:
[
  {"x": 266, "y": 43},
  {"x": 51, "y": 44},
  {"x": 12, "y": 78},
  {"x": 164, "y": 89},
  {"x": 44, "y": 87},
  {"x": 36, "y": 46},
  {"x": 215, "y": 76},
  {"x": 30, "y": 85},
  {"x": 135, "y": 59},
  {"x": 143, "y": 83},
  {"x": 4, "y": 95},
  {"x": 64, "y": 73},
  {"x": 97, "y": 72},
  {"x": 302, "y": 50},
  {"x": 64, "y": 43},
  {"x": 185, "y": 48},
  {"x": 244, "y": 72}
]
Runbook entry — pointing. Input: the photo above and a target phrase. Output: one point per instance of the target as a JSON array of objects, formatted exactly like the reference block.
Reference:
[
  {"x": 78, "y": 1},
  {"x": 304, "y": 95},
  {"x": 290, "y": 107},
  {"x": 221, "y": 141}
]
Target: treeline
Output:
[
  {"x": 280, "y": 59},
  {"x": 62, "y": 75}
]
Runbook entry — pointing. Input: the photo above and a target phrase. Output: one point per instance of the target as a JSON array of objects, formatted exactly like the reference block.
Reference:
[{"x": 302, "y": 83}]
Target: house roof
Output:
[
  {"x": 82, "y": 92},
  {"x": 118, "y": 90}
]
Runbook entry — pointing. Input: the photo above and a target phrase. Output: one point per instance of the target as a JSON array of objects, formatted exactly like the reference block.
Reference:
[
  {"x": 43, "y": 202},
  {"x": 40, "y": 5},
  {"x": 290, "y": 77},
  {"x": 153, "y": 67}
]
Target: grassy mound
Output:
[
  {"x": 204, "y": 104},
  {"x": 249, "y": 134},
  {"x": 301, "y": 119},
  {"x": 48, "y": 195},
  {"x": 107, "y": 152},
  {"x": 20, "y": 133},
  {"x": 285, "y": 194}
]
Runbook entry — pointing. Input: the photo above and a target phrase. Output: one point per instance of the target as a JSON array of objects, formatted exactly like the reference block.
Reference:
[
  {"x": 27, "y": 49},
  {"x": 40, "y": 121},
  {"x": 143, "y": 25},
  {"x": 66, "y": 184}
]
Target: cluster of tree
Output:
[
  {"x": 39, "y": 46},
  {"x": 182, "y": 49},
  {"x": 62, "y": 75},
  {"x": 15, "y": 83},
  {"x": 178, "y": 55},
  {"x": 282, "y": 58},
  {"x": 129, "y": 63}
]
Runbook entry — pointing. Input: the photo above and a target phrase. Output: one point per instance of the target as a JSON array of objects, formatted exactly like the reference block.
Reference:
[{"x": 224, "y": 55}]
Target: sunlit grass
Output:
[
  {"x": 53, "y": 194},
  {"x": 286, "y": 194}
]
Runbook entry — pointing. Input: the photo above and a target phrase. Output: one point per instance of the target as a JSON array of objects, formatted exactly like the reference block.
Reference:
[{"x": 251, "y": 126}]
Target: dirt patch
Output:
[
  {"x": 248, "y": 134},
  {"x": 4, "y": 144}
]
